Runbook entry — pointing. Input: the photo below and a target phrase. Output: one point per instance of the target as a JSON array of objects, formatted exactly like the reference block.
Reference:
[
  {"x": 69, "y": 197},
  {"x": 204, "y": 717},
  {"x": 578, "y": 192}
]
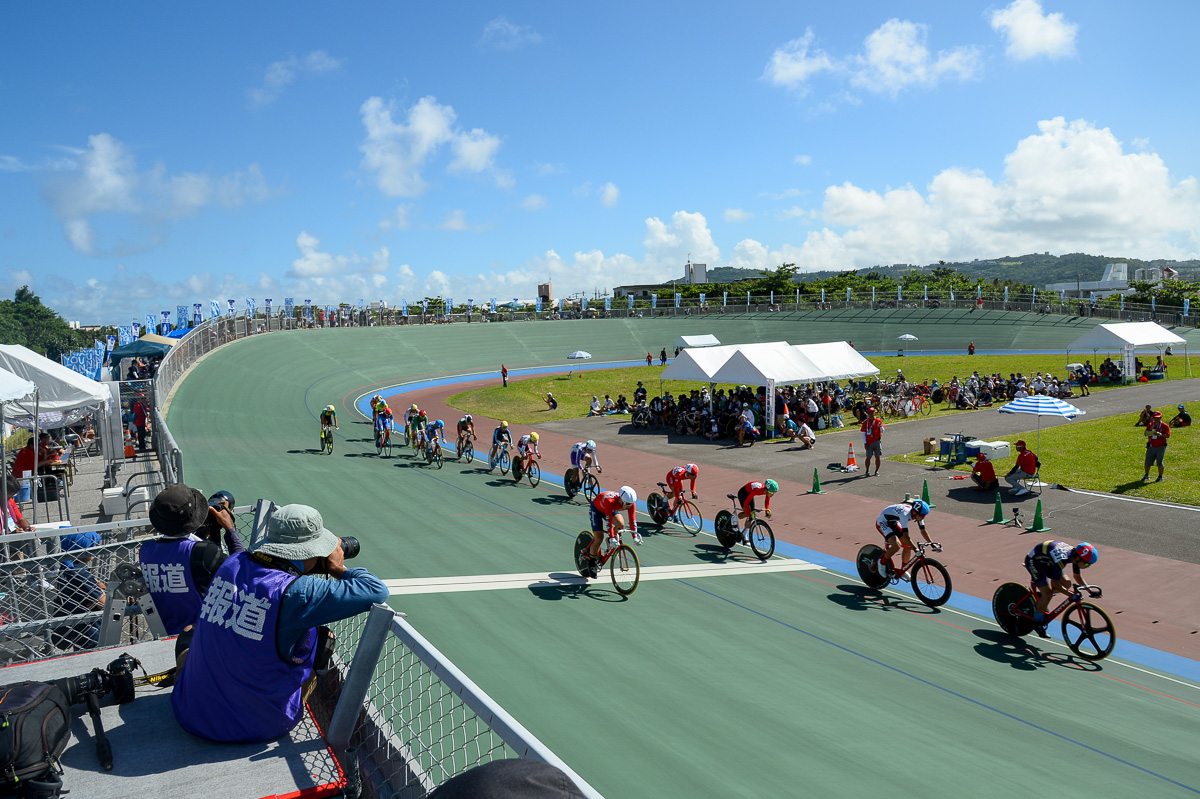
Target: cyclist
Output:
[
  {"x": 466, "y": 427},
  {"x": 526, "y": 448},
  {"x": 1046, "y": 564},
  {"x": 433, "y": 435},
  {"x": 409, "y": 418},
  {"x": 420, "y": 423},
  {"x": 500, "y": 436},
  {"x": 746, "y": 495},
  {"x": 607, "y": 507},
  {"x": 583, "y": 454},
  {"x": 675, "y": 479},
  {"x": 328, "y": 419},
  {"x": 384, "y": 424},
  {"x": 892, "y": 524},
  {"x": 375, "y": 409}
]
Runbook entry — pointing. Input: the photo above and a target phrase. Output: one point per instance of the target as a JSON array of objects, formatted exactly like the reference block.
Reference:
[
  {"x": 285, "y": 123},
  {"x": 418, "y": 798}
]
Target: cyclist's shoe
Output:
[
  {"x": 1040, "y": 629},
  {"x": 884, "y": 568},
  {"x": 746, "y": 538}
]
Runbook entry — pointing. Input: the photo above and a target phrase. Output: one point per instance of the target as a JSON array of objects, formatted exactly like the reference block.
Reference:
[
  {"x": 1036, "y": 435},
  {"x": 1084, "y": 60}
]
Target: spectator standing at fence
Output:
[
  {"x": 872, "y": 430},
  {"x": 662, "y": 357},
  {"x": 139, "y": 422},
  {"x": 79, "y": 591},
  {"x": 971, "y": 348},
  {"x": 1157, "y": 433},
  {"x": 179, "y": 566},
  {"x": 649, "y": 359},
  {"x": 259, "y": 639},
  {"x": 504, "y": 374}
]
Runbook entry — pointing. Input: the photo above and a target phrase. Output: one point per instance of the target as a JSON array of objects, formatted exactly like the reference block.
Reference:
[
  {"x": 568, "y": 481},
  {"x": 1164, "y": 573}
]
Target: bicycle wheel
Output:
[
  {"x": 518, "y": 470},
  {"x": 378, "y": 445},
  {"x": 762, "y": 540},
  {"x": 329, "y": 442},
  {"x": 387, "y": 448},
  {"x": 656, "y": 506},
  {"x": 505, "y": 462},
  {"x": 570, "y": 485},
  {"x": 931, "y": 583},
  {"x": 689, "y": 516},
  {"x": 926, "y": 407},
  {"x": 582, "y": 542},
  {"x": 1089, "y": 631},
  {"x": 1013, "y": 605},
  {"x": 591, "y": 487},
  {"x": 625, "y": 570},
  {"x": 866, "y": 560},
  {"x": 468, "y": 452},
  {"x": 535, "y": 474},
  {"x": 437, "y": 457},
  {"x": 723, "y": 525}
]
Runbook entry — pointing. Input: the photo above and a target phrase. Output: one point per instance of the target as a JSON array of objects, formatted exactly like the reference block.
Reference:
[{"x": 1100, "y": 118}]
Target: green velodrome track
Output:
[{"x": 780, "y": 683}]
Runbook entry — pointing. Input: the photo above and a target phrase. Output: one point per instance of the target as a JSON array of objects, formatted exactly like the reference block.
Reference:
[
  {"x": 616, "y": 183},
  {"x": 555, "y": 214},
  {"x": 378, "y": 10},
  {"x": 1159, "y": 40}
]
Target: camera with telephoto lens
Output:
[
  {"x": 117, "y": 678},
  {"x": 350, "y": 547}
]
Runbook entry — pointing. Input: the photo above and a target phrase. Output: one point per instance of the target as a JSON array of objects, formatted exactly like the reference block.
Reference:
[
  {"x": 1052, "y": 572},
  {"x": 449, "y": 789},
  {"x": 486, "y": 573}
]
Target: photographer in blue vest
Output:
[
  {"x": 259, "y": 640},
  {"x": 179, "y": 565}
]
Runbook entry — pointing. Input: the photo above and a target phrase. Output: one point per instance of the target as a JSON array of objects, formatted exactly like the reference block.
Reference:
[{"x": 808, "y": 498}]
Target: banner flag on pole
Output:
[
  {"x": 231, "y": 311},
  {"x": 562, "y": 301},
  {"x": 747, "y": 299},
  {"x": 1187, "y": 302},
  {"x": 1006, "y": 293},
  {"x": 724, "y": 299},
  {"x": 701, "y": 300},
  {"x": 448, "y": 305},
  {"x": 267, "y": 303},
  {"x": 197, "y": 315},
  {"x": 424, "y": 306},
  {"x": 979, "y": 291},
  {"x": 165, "y": 327},
  {"x": 151, "y": 320},
  {"x": 772, "y": 297},
  {"x": 136, "y": 330},
  {"x": 653, "y": 300},
  {"x": 124, "y": 335},
  {"x": 608, "y": 303},
  {"x": 308, "y": 310},
  {"x": 537, "y": 305},
  {"x": 110, "y": 343},
  {"x": 899, "y": 294},
  {"x": 677, "y": 296},
  {"x": 404, "y": 307},
  {"x": 181, "y": 316},
  {"x": 822, "y": 295},
  {"x": 847, "y": 294},
  {"x": 583, "y": 307},
  {"x": 630, "y": 298},
  {"x": 872, "y": 295},
  {"x": 927, "y": 293},
  {"x": 1034, "y": 300}
]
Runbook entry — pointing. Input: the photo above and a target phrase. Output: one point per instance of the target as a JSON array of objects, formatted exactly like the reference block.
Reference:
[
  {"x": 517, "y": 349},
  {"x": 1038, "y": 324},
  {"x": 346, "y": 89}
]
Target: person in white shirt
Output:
[
  {"x": 595, "y": 409},
  {"x": 806, "y": 435}
]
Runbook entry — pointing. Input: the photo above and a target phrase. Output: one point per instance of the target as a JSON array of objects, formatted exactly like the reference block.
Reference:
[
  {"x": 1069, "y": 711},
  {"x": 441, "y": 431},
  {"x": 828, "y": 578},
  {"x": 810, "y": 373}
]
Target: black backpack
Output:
[{"x": 35, "y": 728}]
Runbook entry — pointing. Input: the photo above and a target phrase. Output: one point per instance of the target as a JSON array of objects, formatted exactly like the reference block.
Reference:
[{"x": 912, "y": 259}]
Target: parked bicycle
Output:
[
  {"x": 678, "y": 509},
  {"x": 590, "y": 485},
  {"x": 623, "y": 566},
  {"x": 929, "y": 578},
  {"x": 1086, "y": 628},
  {"x": 762, "y": 539}
]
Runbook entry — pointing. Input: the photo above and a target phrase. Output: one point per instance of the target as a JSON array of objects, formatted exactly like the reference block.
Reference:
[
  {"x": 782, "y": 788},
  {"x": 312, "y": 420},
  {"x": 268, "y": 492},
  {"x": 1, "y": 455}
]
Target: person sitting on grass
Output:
[
  {"x": 608, "y": 405},
  {"x": 984, "y": 474},
  {"x": 594, "y": 410},
  {"x": 1145, "y": 417},
  {"x": 622, "y": 404},
  {"x": 551, "y": 402},
  {"x": 1181, "y": 419}
]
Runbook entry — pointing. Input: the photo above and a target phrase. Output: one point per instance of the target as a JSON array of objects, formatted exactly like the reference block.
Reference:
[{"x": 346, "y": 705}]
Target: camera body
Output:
[{"x": 117, "y": 678}]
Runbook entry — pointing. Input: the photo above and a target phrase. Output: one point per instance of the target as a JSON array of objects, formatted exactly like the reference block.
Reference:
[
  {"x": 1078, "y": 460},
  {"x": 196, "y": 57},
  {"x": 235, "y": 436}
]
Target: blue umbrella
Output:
[{"x": 1040, "y": 405}]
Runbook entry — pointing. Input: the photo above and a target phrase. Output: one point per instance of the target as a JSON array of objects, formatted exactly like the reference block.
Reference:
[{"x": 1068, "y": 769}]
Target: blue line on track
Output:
[{"x": 941, "y": 688}]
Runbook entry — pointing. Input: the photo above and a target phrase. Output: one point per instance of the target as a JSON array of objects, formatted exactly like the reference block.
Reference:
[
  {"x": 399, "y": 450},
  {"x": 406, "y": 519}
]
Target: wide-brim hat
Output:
[
  {"x": 178, "y": 510},
  {"x": 297, "y": 532}
]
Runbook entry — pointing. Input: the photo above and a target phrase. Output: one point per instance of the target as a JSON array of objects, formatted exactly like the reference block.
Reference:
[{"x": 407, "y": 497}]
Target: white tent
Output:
[
  {"x": 64, "y": 396},
  {"x": 759, "y": 364},
  {"x": 698, "y": 341},
  {"x": 837, "y": 360},
  {"x": 13, "y": 388},
  {"x": 1128, "y": 338},
  {"x": 700, "y": 365}
]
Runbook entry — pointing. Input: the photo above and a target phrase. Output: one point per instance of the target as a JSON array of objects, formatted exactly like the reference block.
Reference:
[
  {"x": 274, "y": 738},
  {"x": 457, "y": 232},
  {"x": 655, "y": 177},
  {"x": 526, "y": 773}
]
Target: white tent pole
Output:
[
  {"x": 769, "y": 414},
  {"x": 37, "y": 413}
]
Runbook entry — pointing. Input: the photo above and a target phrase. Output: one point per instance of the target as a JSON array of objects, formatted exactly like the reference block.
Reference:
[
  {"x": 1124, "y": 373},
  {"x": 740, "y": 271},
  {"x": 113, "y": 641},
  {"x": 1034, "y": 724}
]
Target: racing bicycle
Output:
[
  {"x": 534, "y": 471},
  {"x": 591, "y": 486},
  {"x": 1086, "y": 628},
  {"x": 433, "y": 452},
  {"x": 466, "y": 452},
  {"x": 383, "y": 443},
  {"x": 930, "y": 580},
  {"x": 327, "y": 439},
  {"x": 678, "y": 509},
  {"x": 623, "y": 566},
  {"x": 762, "y": 540},
  {"x": 503, "y": 460}
]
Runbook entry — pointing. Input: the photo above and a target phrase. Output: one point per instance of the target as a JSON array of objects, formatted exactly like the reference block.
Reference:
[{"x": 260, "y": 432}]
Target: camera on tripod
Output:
[{"x": 116, "y": 678}]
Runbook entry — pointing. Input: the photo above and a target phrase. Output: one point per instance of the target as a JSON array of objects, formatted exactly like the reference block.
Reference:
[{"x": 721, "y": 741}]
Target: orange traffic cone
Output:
[{"x": 850, "y": 461}]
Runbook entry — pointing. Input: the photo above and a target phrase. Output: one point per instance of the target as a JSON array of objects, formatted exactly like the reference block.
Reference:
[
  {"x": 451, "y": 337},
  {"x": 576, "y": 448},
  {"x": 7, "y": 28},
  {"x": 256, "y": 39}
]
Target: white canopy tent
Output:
[
  {"x": 700, "y": 365},
  {"x": 837, "y": 360},
  {"x": 64, "y": 396},
  {"x": 1128, "y": 337},
  {"x": 708, "y": 340},
  {"x": 13, "y": 389}
]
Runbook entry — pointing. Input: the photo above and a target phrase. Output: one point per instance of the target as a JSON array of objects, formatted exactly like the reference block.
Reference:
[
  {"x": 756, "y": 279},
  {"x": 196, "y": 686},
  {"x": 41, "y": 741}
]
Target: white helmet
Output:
[
  {"x": 590, "y": 445},
  {"x": 628, "y": 496}
]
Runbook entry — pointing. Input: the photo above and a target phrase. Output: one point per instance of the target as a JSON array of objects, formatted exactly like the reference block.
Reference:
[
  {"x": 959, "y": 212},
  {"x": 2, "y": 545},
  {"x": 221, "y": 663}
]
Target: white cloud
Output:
[
  {"x": 545, "y": 170},
  {"x": 1031, "y": 33},
  {"x": 397, "y": 152},
  {"x": 456, "y": 220},
  {"x": 313, "y": 263},
  {"x": 583, "y": 189},
  {"x": 501, "y": 34},
  {"x": 737, "y": 215},
  {"x": 894, "y": 57},
  {"x": 783, "y": 195},
  {"x": 795, "y": 212},
  {"x": 11, "y": 163},
  {"x": 281, "y": 74},
  {"x": 105, "y": 180},
  {"x": 400, "y": 219},
  {"x": 609, "y": 194},
  {"x": 534, "y": 202},
  {"x": 803, "y": 160}
]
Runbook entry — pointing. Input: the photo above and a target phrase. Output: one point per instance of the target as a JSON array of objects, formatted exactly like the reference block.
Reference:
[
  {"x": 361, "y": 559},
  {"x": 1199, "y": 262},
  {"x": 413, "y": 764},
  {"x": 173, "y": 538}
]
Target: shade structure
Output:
[
  {"x": 1142, "y": 335},
  {"x": 157, "y": 339},
  {"x": 64, "y": 396},
  {"x": 1040, "y": 405},
  {"x": 907, "y": 337},
  {"x": 837, "y": 360},
  {"x": 579, "y": 355},
  {"x": 139, "y": 348},
  {"x": 14, "y": 387},
  {"x": 700, "y": 365},
  {"x": 707, "y": 340}
]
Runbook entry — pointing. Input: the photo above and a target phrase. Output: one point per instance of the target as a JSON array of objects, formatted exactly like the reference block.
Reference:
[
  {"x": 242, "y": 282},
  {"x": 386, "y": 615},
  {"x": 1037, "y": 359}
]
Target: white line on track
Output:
[{"x": 496, "y": 582}]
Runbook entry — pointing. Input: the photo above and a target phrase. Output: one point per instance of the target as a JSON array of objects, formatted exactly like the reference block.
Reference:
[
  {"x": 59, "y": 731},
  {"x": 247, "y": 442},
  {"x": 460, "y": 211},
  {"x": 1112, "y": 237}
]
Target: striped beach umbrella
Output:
[{"x": 1040, "y": 405}]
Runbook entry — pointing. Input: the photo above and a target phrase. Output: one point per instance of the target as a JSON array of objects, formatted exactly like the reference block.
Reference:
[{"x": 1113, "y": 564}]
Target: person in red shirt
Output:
[
  {"x": 1157, "y": 433},
  {"x": 504, "y": 374},
  {"x": 746, "y": 495},
  {"x": 649, "y": 359},
  {"x": 971, "y": 348},
  {"x": 872, "y": 430},
  {"x": 984, "y": 474},
  {"x": 676, "y": 476},
  {"x": 606, "y": 510},
  {"x": 1024, "y": 469}
]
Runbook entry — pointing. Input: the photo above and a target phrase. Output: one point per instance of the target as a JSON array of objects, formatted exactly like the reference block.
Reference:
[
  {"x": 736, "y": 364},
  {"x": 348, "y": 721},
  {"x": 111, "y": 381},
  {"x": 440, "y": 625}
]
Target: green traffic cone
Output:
[
  {"x": 1038, "y": 525},
  {"x": 998, "y": 516},
  {"x": 925, "y": 495},
  {"x": 816, "y": 489}
]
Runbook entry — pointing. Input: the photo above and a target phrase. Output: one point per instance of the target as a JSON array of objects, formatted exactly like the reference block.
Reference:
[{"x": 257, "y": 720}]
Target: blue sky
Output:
[{"x": 159, "y": 154}]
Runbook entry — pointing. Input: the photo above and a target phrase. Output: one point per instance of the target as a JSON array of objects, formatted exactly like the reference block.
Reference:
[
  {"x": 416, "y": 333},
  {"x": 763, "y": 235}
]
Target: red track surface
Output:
[{"x": 1148, "y": 597}]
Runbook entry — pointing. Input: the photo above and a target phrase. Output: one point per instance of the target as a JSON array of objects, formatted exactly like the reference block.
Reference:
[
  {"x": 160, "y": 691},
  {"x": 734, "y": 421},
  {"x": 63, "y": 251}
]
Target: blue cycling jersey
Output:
[{"x": 501, "y": 434}]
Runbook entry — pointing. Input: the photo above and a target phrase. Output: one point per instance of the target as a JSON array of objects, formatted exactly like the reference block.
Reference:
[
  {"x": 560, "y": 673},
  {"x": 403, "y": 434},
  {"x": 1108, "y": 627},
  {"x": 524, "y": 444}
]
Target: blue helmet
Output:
[
  {"x": 1087, "y": 553},
  {"x": 439, "y": 424},
  {"x": 920, "y": 507}
]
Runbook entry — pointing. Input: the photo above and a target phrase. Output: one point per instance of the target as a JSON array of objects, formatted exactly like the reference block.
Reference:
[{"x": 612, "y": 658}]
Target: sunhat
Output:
[{"x": 297, "y": 532}]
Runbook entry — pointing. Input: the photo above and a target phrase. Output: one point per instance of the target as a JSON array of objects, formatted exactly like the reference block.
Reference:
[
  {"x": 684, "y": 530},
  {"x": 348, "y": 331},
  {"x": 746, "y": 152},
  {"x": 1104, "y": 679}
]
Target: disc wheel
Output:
[
  {"x": 1013, "y": 606},
  {"x": 689, "y": 517},
  {"x": 931, "y": 583},
  {"x": 505, "y": 462},
  {"x": 535, "y": 474},
  {"x": 625, "y": 570},
  {"x": 762, "y": 540},
  {"x": 591, "y": 487},
  {"x": 866, "y": 561},
  {"x": 570, "y": 485},
  {"x": 723, "y": 525},
  {"x": 656, "y": 506},
  {"x": 518, "y": 470},
  {"x": 582, "y": 542},
  {"x": 1089, "y": 631}
]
